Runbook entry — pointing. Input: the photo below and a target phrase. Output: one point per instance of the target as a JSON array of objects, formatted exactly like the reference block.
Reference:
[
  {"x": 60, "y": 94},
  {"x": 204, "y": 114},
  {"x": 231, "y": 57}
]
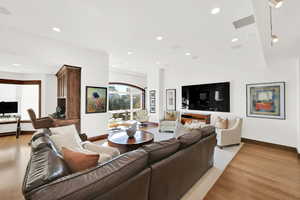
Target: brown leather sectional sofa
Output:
[{"x": 163, "y": 170}]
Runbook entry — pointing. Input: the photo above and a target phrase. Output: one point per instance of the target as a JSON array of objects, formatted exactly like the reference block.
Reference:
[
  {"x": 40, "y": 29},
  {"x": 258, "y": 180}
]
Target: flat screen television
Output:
[
  {"x": 207, "y": 97},
  {"x": 8, "y": 107}
]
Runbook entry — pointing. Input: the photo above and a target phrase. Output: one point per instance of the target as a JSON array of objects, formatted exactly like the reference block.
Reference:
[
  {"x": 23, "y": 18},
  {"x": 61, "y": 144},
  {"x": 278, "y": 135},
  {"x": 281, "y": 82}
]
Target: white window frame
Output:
[{"x": 130, "y": 93}]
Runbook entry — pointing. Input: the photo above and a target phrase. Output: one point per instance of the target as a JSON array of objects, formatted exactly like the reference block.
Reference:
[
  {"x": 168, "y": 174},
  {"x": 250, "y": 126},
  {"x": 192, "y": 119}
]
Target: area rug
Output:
[{"x": 222, "y": 158}]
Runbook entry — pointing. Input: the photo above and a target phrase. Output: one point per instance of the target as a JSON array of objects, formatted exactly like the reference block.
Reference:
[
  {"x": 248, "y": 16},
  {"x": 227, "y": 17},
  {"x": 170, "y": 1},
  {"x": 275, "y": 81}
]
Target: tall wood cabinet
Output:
[{"x": 69, "y": 92}]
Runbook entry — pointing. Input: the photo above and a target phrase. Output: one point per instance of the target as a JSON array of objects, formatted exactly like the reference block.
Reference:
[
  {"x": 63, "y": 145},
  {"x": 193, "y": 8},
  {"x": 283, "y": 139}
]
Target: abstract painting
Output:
[
  {"x": 266, "y": 100},
  {"x": 171, "y": 99},
  {"x": 96, "y": 99}
]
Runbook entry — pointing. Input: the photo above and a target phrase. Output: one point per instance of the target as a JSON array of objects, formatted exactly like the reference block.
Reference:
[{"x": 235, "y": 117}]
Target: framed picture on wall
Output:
[
  {"x": 96, "y": 99},
  {"x": 266, "y": 100},
  {"x": 152, "y": 96},
  {"x": 171, "y": 99}
]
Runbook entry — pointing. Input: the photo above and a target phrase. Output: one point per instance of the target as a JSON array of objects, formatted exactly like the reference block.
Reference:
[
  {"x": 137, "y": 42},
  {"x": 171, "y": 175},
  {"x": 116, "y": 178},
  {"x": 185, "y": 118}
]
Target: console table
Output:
[
  {"x": 187, "y": 117},
  {"x": 12, "y": 120}
]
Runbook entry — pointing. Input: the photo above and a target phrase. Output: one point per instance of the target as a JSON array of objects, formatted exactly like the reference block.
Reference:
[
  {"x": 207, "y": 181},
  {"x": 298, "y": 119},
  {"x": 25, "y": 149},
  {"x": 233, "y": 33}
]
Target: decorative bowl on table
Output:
[{"x": 131, "y": 130}]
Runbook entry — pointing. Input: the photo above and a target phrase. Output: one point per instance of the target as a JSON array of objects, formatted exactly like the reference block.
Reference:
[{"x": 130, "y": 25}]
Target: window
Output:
[
  {"x": 25, "y": 93},
  {"x": 125, "y": 100}
]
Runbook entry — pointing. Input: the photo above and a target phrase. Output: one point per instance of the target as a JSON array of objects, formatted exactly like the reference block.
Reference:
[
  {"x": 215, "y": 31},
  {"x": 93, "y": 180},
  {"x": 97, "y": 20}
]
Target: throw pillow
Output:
[
  {"x": 180, "y": 130},
  {"x": 78, "y": 161},
  {"x": 194, "y": 124},
  {"x": 66, "y": 136},
  {"x": 170, "y": 116},
  {"x": 221, "y": 123}
]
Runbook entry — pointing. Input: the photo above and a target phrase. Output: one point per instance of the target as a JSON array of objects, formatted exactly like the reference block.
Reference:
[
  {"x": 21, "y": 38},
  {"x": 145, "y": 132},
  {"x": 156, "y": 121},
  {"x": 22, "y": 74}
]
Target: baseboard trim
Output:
[
  {"x": 98, "y": 137},
  {"x": 14, "y": 133},
  {"x": 277, "y": 146}
]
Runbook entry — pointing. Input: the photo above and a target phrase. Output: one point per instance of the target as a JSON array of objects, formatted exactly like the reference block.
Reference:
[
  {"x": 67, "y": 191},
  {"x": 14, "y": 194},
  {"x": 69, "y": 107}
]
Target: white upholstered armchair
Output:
[
  {"x": 231, "y": 135},
  {"x": 142, "y": 116},
  {"x": 168, "y": 124}
]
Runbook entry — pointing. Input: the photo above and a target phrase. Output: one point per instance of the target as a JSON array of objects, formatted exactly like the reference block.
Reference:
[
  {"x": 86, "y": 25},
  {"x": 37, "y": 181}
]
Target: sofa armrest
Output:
[{"x": 93, "y": 182}]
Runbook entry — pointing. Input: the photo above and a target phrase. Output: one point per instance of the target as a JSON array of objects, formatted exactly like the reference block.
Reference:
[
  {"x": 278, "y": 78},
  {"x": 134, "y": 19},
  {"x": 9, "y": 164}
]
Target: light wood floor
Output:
[
  {"x": 14, "y": 156},
  {"x": 260, "y": 173},
  {"x": 256, "y": 173}
]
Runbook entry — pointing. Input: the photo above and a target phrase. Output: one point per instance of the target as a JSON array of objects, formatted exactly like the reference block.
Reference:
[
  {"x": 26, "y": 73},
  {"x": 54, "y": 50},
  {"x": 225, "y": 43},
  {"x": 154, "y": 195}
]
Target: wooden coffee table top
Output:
[{"x": 121, "y": 138}]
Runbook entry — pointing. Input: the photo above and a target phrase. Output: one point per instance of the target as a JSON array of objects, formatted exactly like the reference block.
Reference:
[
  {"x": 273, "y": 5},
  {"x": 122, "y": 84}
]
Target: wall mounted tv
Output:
[
  {"x": 8, "y": 107},
  {"x": 207, "y": 97}
]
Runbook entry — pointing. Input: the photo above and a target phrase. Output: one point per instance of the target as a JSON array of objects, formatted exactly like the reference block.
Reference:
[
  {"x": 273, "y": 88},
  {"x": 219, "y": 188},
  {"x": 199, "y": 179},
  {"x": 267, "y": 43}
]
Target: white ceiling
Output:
[
  {"x": 119, "y": 26},
  {"x": 286, "y": 25}
]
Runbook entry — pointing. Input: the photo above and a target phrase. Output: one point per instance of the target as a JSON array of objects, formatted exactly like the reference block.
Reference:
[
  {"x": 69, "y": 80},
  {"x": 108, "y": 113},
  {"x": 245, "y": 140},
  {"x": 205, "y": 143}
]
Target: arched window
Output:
[{"x": 125, "y": 99}]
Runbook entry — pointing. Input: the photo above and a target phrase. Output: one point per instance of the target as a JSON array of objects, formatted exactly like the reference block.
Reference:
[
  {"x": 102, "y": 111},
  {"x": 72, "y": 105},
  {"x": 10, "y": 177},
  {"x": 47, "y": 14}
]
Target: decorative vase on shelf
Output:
[{"x": 132, "y": 130}]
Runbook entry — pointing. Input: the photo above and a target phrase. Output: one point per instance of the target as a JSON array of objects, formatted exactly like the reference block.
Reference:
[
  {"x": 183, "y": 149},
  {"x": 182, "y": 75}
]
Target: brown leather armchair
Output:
[
  {"x": 48, "y": 122},
  {"x": 40, "y": 123}
]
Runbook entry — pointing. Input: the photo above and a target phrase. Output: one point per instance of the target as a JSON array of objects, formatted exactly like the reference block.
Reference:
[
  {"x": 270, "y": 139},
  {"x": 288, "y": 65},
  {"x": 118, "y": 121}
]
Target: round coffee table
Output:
[{"x": 121, "y": 139}]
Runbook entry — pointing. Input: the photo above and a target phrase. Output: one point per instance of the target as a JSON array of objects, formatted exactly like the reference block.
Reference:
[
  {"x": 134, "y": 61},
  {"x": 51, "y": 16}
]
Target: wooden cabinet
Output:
[{"x": 69, "y": 92}]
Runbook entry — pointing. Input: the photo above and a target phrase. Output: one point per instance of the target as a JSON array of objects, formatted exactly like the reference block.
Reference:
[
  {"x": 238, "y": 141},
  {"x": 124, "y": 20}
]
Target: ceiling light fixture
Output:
[
  {"x": 56, "y": 29},
  {"x": 276, "y": 3},
  {"x": 158, "y": 63},
  {"x": 16, "y": 65},
  {"x": 274, "y": 38},
  {"x": 215, "y": 11},
  {"x": 159, "y": 38},
  {"x": 129, "y": 52},
  {"x": 235, "y": 40},
  {"x": 187, "y": 53}
]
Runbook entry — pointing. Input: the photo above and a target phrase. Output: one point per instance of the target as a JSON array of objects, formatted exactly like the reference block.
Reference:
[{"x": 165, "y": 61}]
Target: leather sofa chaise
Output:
[{"x": 163, "y": 170}]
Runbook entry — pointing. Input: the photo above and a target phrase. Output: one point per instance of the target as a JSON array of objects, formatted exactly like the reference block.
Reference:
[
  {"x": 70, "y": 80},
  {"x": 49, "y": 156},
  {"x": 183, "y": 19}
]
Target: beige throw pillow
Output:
[
  {"x": 221, "y": 123},
  {"x": 170, "y": 116}
]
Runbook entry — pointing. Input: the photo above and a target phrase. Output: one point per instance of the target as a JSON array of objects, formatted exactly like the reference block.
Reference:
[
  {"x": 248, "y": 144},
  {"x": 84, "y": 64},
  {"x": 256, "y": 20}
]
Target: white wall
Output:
[
  {"x": 155, "y": 81},
  {"x": 41, "y": 52},
  {"x": 282, "y": 132},
  {"x": 130, "y": 77},
  {"x": 48, "y": 95},
  {"x": 298, "y": 100}
]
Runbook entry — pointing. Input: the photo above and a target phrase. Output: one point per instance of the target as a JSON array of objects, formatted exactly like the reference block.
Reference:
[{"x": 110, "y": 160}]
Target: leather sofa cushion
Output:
[
  {"x": 190, "y": 138},
  {"x": 160, "y": 150},
  {"x": 42, "y": 142},
  {"x": 195, "y": 135},
  {"x": 44, "y": 166},
  {"x": 207, "y": 131},
  {"x": 38, "y": 134}
]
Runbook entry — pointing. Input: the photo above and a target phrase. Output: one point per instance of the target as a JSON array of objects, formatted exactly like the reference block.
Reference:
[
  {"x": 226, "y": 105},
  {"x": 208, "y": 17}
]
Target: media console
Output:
[{"x": 188, "y": 117}]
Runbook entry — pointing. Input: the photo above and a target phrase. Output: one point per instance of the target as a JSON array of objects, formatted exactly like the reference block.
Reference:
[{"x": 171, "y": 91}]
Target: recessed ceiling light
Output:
[
  {"x": 276, "y": 3},
  {"x": 129, "y": 52},
  {"x": 159, "y": 38},
  {"x": 158, "y": 63},
  {"x": 215, "y": 11},
  {"x": 16, "y": 65},
  {"x": 275, "y": 39},
  {"x": 187, "y": 53},
  {"x": 235, "y": 40},
  {"x": 56, "y": 29}
]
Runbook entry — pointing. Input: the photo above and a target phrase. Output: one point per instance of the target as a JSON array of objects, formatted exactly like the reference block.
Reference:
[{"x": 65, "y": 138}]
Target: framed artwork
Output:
[
  {"x": 152, "y": 99},
  {"x": 171, "y": 99},
  {"x": 266, "y": 100},
  {"x": 96, "y": 99}
]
